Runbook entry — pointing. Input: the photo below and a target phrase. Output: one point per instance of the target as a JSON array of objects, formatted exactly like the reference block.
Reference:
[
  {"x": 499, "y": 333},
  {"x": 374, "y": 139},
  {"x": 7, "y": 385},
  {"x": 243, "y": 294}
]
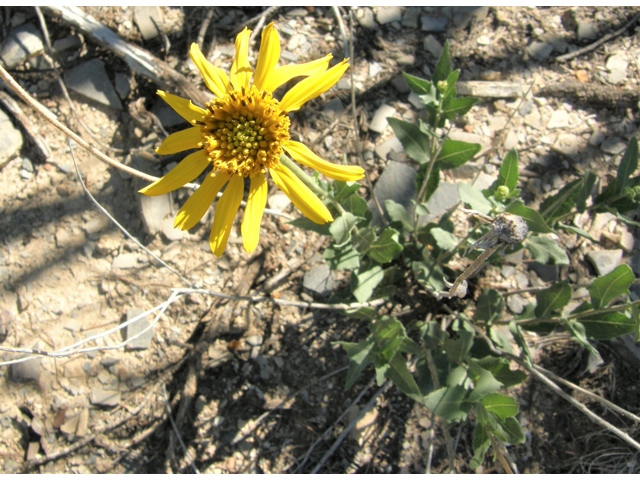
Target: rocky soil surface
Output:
[{"x": 260, "y": 387}]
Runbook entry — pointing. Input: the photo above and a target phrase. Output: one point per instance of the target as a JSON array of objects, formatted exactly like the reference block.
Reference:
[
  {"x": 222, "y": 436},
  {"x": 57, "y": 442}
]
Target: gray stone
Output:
[
  {"x": 374, "y": 69},
  {"x": 489, "y": 89},
  {"x": 26, "y": 372},
  {"x": 364, "y": 16},
  {"x": 96, "y": 225},
  {"x": 319, "y": 280},
  {"x": 22, "y": 43},
  {"x": 90, "y": 80},
  {"x": 596, "y": 138},
  {"x": 10, "y": 140},
  {"x": 433, "y": 24},
  {"x": 559, "y": 119},
  {"x": 133, "y": 329},
  {"x": 627, "y": 241},
  {"x": 569, "y": 144},
  {"x": 67, "y": 43},
  {"x": 410, "y": 17},
  {"x": 278, "y": 201},
  {"x": 379, "y": 122},
  {"x": 463, "y": 15},
  {"x": 605, "y": 261},
  {"x": 254, "y": 340},
  {"x": 547, "y": 273},
  {"x": 391, "y": 145},
  {"x": 406, "y": 60},
  {"x": 526, "y": 108},
  {"x": 445, "y": 197},
  {"x": 516, "y": 304},
  {"x": 167, "y": 115},
  {"x": 334, "y": 108},
  {"x": 172, "y": 234},
  {"x": 396, "y": 183},
  {"x": 587, "y": 31},
  {"x": 433, "y": 46},
  {"x": 613, "y": 145},
  {"x": 540, "y": 50},
  {"x": 27, "y": 165},
  {"x": 123, "y": 84},
  {"x": 400, "y": 84},
  {"x": 108, "y": 361},
  {"x": 125, "y": 261},
  {"x": 104, "y": 398},
  {"x": 386, "y": 15},
  {"x": 414, "y": 99},
  {"x": 148, "y": 19}
]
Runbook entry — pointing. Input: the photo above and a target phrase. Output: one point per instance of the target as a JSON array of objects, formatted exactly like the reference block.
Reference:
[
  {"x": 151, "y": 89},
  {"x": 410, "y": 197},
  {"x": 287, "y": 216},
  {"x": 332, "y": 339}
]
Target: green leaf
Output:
[
  {"x": 607, "y": 288},
  {"x": 421, "y": 87},
  {"x": 343, "y": 190},
  {"x": 458, "y": 348},
  {"x": 356, "y": 205},
  {"x": 502, "y": 406},
  {"x": 481, "y": 444},
  {"x": 588, "y": 182},
  {"x": 562, "y": 202},
  {"x": 342, "y": 258},
  {"x": 508, "y": 175},
  {"x": 512, "y": 431},
  {"x": 579, "y": 334},
  {"x": 386, "y": 247},
  {"x": 306, "y": 224},
  {"x": 399, "y": 374},
  {"x": 501, "y": 371},
  {"x": 432, "y": 183},
  {"x": 608, "y": 325},
  {"x": 362, "y": 239},
  {"x": 366, "y": 282},
  {"x": 413, "y": 140},
  {"x": 489, "y": 307},
  {"x": 341, "y": 227},
  {"x": 398, "y": 213},
  {"x": 484, "y": 383},
  {"x": 360, "y": 355},
  {"x": 553, "y": 298},
  {"x": 515, "y": 330},
  {"x": 445, "y": 240},
  {"x": 473, "y": 197},
  {"x": 458, "y": 106},
  {"x": 452, "y": 78},
  {"x": 577, "y": 231},
  {"x": 388, "y": 333},
  {"x": 448, "y": 403},
  {"x": 455, "y": 153},
  {"x": 628, "y": 165},
  {"x": 534, "y": 220},
  {"x": 443, "y": 69},
  {"x": 544, "y": 249}
]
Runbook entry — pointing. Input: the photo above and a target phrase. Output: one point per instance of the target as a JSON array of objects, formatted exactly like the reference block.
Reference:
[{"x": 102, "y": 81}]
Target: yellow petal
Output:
[
  {"x": 188, "y": 169},
  {"x": 184, "y": 107},
  {"x": 311, "y": 87},
  {"x": 181, "y": 141},
  {"x": 282, "y": 75},
  {"x": 194, "y": 209},
  {"x": 214, "y": 78},
  {"x": 268, "y": 56},
  {"x": 241, "y": 71},
  {"x": 301, "y": 196},
  {"x": 342, "y": 173},
  {"x": 256, "y": 202},
  {"x": 225, "y": 213}
]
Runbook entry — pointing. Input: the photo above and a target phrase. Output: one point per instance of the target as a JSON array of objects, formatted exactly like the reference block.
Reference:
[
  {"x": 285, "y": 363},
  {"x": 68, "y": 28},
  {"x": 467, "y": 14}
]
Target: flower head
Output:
[{"x": 242, "y": 133}]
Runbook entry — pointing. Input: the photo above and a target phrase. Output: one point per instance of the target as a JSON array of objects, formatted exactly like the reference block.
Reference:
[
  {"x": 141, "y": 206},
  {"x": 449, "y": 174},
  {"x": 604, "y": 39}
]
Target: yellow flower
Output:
[{"x": 241, "y": 133}]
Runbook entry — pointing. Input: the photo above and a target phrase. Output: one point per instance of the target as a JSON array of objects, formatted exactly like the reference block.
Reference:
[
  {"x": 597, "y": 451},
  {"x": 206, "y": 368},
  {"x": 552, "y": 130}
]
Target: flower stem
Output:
[{"x": 304, "y": 178}]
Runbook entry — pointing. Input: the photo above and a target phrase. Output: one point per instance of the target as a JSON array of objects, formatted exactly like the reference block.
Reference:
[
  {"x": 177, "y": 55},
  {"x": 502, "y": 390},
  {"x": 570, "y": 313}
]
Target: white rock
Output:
[{"x": 379, "y": 122}]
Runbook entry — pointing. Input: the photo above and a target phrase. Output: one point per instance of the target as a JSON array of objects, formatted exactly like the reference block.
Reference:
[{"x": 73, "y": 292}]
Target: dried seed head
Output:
[{"x": 510, "y": 228}]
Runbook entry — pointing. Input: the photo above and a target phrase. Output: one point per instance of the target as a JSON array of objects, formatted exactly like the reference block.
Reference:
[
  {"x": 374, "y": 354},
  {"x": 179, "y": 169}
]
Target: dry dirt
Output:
[{"x": 260, "y": 388}]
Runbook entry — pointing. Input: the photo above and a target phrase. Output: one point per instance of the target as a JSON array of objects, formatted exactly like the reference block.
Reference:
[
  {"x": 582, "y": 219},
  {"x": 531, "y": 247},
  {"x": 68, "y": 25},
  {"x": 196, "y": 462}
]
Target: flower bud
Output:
[{"x": 502, "y": 192}]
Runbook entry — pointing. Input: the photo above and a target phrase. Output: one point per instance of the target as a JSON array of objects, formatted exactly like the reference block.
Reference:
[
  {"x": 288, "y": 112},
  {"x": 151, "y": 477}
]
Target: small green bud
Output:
[
  {"x": 502, "y": 192},
  {"x": 442, "y": 86},
  {"x": 630, "y": 192}
]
